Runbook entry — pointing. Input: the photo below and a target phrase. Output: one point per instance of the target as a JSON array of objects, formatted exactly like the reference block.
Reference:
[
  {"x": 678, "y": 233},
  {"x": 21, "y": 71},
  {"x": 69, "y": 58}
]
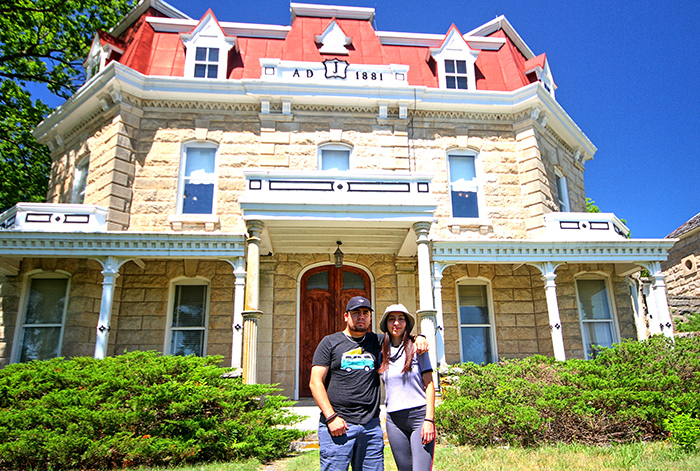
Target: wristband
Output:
[
  {"x": 430, "y": 420},
  {"x": 422, "y": 335},
  {"x": 330, "y": 418}
]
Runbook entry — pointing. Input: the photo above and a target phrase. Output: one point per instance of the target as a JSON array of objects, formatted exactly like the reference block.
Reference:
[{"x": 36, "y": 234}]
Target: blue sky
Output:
[{"x": 628, "y": 74}]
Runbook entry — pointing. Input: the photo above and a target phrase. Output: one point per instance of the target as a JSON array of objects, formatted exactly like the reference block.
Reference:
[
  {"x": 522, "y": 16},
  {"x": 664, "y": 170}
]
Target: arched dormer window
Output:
[
  {"x": 334, "y": 156},
  {"x": 206, "y": 49},
  {"x": 455, "y": 62},
  {"x": 198, "y": 178}
]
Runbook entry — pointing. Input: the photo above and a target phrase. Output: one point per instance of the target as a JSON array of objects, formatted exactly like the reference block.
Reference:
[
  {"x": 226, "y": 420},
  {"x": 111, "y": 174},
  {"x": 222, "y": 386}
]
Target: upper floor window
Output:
[
  {"x": 206, "y": 49},
  {"x": 464, "y": 185},
  {"x": 80, "y": 181},
  {"x": 197, "y": 186},
  {"x": 456, "y": 74},
  {"x": 206, "y": 62},
  {"x": 476, "y": 332},
  {"x": 334, "y": 157},
  {"x": 40, "y": 332},
  {"x": 595, "y": 312},
  {"x": 562, "y": 192},
  {"x": 187, "y": 323}
]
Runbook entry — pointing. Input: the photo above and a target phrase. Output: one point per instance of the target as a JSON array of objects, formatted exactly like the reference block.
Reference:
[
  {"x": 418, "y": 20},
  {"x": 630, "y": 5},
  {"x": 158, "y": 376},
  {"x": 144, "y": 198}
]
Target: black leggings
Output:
[{"x": 403, "y": 428}]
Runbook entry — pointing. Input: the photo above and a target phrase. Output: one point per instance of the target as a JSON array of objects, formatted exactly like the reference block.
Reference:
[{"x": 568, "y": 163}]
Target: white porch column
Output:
[
  {"x": 251, "y": 314},
  {"x": 652, "y": 315},
  {"x": 110, "y": 273},
  {"x": 550, "y": 289},
  {"x": 426, "y": 312},
  {"x": 238, "y": 264},
  {"x": 438, "y": 268},
  {"x": 659, "y": 288}
]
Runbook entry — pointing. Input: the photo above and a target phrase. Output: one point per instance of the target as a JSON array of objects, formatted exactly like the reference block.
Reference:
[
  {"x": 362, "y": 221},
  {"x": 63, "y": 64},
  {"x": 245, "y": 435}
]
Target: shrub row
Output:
[
  {"x": 135, "y": 409},
  {"x": 627, "y": 393}
]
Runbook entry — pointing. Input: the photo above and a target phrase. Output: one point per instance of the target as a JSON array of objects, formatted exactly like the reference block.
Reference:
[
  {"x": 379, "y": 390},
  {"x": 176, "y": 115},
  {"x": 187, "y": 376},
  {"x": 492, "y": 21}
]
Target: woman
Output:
[{"x": 410, "y": 393}]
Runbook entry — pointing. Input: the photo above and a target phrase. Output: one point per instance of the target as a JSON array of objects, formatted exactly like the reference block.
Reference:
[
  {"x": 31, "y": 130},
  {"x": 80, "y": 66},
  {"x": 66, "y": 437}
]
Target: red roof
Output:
[{"x": 163, "y": 53}]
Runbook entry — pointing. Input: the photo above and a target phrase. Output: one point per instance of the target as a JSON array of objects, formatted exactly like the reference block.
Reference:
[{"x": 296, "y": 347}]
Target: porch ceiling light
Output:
[{"x": 338, "y": 255}]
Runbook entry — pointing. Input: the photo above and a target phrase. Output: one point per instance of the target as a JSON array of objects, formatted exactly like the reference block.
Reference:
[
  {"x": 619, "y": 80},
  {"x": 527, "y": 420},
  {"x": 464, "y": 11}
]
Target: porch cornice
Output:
[
  {"x": 531, "y": 251},
  {"x": 143, "y": 245}
]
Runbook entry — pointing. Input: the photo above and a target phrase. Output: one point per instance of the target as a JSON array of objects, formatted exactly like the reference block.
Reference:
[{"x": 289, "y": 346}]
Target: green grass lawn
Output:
[{"x": 636, "y": 457}]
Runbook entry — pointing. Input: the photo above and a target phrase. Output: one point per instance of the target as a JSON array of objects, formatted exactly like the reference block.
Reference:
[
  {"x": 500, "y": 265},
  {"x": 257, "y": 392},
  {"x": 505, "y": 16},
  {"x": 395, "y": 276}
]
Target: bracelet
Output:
[
  {"x": 330, "y": 418},
  {"x": 422, "y": 335},
  {"x": 430, "y": 420}
]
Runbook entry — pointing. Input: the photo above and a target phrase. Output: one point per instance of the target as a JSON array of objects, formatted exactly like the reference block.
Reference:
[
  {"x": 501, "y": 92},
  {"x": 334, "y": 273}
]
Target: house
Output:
[
  {"x": 223, "y": 188},
  {"x": 682, "y": 270}
]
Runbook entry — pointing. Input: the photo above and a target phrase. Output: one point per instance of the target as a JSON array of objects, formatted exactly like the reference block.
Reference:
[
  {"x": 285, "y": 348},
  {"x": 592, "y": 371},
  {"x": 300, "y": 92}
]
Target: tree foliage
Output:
[{"x": 42, "y": 42}]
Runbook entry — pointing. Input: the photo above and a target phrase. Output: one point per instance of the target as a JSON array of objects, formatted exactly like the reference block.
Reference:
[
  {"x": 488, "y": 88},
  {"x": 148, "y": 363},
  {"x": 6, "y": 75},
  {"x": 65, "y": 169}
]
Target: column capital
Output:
[
  {"x": 422, "y": 229},
  {"x": 254, "y": 228},
  {"x": 426, "y": 313},
  {"x": 252, "y": 314}
]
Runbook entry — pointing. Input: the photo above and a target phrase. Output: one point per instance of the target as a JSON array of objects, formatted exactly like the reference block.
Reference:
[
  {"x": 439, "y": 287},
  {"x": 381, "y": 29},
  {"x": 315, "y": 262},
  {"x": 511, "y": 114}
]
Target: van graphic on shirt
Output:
[{"x": 356, "y": 360}]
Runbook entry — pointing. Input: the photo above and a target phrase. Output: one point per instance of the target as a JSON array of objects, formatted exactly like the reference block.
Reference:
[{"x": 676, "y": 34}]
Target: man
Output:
[{"x": 345, "y": 385}]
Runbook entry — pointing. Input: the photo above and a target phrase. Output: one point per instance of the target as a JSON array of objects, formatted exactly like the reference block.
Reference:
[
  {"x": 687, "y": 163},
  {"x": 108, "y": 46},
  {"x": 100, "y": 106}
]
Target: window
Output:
[
  {"x": 456, "y": 74},
  {"x": 562, "y": 192},
  {"x": 464, "y": 188},
  {"x": 596, "y": 315},
  {"x": 206, "y": 62},
  {"x": 197, "y": 179},
  {"x": 475, "y": 330},
  {"x": 41, "y": 329},
  {"x": 334, "y": 157},
  {"x": 188, "y": 320},
  {"x": 80, "y": 181}
]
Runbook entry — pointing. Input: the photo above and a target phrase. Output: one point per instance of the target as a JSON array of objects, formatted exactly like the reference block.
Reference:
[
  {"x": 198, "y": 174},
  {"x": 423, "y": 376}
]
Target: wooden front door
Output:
[{"x": 325, "y": 291}]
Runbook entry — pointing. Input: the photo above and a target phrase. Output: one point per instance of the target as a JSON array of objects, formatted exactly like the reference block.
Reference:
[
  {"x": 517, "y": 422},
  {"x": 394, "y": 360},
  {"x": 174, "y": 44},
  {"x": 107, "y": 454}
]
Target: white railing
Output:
[{"x": 49, "y": 217}]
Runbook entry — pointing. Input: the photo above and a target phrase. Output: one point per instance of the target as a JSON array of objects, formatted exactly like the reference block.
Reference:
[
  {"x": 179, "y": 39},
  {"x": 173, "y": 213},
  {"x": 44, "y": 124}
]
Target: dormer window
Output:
[
  {"x": 537, "y": 69},
  {"x": 206, "y": 62},
  {"x": 104, "y": 49},
  {"x": 456, "y": 74},
  {"x": 206, "y": 49},
  {"x": 455, "y": 62}
]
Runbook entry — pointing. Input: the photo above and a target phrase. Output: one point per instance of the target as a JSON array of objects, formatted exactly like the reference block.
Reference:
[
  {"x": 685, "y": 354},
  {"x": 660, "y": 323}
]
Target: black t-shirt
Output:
[{"x": 352, "y": 381}]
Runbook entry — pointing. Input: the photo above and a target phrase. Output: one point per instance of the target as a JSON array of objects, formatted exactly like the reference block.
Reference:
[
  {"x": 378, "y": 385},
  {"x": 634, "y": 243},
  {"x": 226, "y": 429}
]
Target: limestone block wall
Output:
[
  {"x": 82, "y": 312},
  {"x": 145, "y": 292},
  {"x": 682, "y": 268},
  {"x": 520, "y": 308}
]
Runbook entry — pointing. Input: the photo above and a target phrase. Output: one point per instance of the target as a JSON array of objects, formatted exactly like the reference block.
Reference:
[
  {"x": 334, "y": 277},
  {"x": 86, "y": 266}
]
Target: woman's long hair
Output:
[{"x": 408, "y": 346}]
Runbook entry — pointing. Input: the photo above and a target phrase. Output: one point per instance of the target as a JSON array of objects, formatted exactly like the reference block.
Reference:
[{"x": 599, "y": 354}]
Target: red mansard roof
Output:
[{"x": 154, "y": 52}]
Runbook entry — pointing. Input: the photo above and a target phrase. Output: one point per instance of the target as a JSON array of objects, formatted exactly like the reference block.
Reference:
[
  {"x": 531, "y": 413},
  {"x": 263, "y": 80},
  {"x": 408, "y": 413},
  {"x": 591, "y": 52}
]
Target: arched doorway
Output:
[{"x": 325, "y": 292}]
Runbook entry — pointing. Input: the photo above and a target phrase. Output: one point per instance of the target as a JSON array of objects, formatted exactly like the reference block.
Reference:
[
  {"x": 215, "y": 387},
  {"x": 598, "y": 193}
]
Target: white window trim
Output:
[
  {"x": 24, "y": 300},
  {"x": 77, "y": 175},
  {"x": 196, "y": 281},
  {"x": 334, "y": 146},
  {"x": 482, "y": 220},
  {"x": 565, "y": 190},
  {"x": 611, "y": 304},
  {"x": 492, "y": 318},
  {"x": 181, "y": 181}
]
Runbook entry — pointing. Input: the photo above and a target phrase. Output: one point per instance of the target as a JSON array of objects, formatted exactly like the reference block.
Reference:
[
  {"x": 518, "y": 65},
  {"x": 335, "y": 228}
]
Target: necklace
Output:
[
  {"x": 398, "y": 353},
  {"x": 358, "y": 339}
]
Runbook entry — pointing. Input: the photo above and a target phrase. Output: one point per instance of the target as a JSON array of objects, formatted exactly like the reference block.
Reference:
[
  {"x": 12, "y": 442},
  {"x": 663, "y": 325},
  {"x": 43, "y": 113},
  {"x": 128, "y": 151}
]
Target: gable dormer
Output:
[
  {"x": 455, "y": 62},
  {"x": 206, "y": 49},
  {"x": 537, "y": 69},
  {"x": 104, "y": 49},
  {"x": 333, "y": 40}
]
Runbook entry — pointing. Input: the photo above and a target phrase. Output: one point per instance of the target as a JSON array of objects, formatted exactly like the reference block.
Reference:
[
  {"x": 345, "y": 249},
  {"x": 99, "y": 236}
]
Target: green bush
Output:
[
  {"x": 135, "y": 409},
  {"x": 623, "y": 395},
  {"x": 684, "y": 431},
  {"x": 691, "y": 325}
]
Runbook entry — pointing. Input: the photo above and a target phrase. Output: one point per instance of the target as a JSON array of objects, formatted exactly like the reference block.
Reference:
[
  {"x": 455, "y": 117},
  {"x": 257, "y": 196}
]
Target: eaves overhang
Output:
[
  {"x": 638, "y": 251},
  {"x": 107, "y": 87},
  {"x": 142, "y": 245}
]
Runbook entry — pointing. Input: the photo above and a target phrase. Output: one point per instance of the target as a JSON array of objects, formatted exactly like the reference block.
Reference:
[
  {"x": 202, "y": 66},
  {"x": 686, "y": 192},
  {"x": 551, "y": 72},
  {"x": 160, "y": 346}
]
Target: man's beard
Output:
[{"x": 354, "y": 328}]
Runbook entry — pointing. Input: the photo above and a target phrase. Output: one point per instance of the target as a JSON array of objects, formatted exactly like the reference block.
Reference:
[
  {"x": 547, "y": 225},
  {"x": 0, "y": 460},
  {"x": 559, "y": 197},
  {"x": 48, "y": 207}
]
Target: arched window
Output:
[
  {"x": 465, "y": 186},
  {"x": 334, "y": 157},
  {"x": 475, "y": 320},
  {"x": 198, "y": 178},
  {"x": 80, "y": 180},
  {"x": 43, "y": 313},
  {"x": 188, "y": 317},
  {"x": 596, "y": 313}
]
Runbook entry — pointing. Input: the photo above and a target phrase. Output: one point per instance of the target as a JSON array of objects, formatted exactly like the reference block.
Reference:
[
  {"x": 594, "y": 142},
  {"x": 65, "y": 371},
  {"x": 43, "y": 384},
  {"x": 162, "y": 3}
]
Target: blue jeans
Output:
[{"x": 362, "y": 446}]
